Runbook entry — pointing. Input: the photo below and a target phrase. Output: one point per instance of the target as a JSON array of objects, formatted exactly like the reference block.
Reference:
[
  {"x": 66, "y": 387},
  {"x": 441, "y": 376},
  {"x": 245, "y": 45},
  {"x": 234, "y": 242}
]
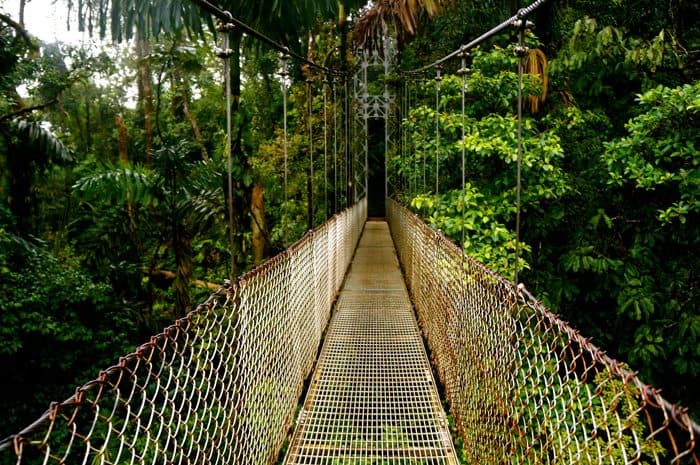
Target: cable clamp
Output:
[
  {"x": 226, "y": 26},
  {"x": 284, "y": 58},
  {"x": 438, "y": 76},
  {"x": 520, "y": 50},
  {"x": 522, "y": 23},
  {"x": 224, "y": 53}
]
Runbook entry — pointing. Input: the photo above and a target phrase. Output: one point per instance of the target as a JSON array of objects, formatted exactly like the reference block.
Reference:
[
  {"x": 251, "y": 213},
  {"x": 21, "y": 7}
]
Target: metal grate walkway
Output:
[{"x": 372, "y": 398}]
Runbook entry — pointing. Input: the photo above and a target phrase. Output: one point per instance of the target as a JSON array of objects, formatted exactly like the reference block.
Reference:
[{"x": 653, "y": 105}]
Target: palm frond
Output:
[
  {"x": 203, "y": 208},
  {"x": 404, "y": 15},
  {"x": 120, "y": 185},
  {"x": 41, "y": 140}
]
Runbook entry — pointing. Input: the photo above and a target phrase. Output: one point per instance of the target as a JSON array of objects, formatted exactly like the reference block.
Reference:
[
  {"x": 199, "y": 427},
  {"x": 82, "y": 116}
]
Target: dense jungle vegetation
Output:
[{"x": 113, "y": 218}]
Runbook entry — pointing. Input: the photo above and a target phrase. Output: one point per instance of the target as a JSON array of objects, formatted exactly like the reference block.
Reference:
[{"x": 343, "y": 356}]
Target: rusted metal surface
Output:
[
  {"x": 220, "y": 386},
  {"x": 372, "y": 398},
  {"x": 523, "y": 386}
]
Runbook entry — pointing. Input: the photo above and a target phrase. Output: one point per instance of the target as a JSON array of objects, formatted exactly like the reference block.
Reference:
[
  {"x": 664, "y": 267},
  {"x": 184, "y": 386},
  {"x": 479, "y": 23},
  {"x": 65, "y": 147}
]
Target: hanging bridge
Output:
[
  {"x": 366, "y": 342},
  {"x": 223, "y": 384}
]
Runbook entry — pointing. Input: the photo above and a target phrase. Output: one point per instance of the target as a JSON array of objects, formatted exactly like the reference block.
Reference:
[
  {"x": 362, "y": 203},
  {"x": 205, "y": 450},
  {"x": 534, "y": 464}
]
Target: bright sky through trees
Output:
[{"x": 46, "y": 19}]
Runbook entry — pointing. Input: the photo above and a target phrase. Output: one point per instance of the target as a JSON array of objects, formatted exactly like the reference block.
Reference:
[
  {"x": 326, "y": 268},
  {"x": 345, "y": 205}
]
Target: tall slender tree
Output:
[{"x": 283, "y": 22}]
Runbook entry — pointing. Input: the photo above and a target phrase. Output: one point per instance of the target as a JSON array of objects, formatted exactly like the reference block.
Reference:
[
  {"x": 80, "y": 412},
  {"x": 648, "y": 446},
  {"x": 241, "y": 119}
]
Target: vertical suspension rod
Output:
[
  {"x": 348, "y": 162},
  {"x": 438, "y": 78},
  {"x": 284, "y": 60},
  {"x": 463, "y": 74},
  {"x": 325, "y": 149},
  {"x": 520, "y": 51},
  {"x": 225, "y": 53},
  {"x": 310, "y": 179},
  {"x": 335, "y": 147}
]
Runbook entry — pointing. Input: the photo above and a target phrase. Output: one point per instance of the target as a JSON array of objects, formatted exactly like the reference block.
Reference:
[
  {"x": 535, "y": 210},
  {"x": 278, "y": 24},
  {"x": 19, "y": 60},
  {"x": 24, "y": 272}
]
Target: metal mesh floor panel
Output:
[{"x": 372, "y": 398}]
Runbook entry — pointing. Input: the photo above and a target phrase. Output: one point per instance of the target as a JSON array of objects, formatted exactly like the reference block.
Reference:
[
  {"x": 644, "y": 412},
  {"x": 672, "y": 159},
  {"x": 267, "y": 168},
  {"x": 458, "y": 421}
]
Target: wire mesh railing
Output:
[
  {"x": 522, "y": 385},
  {"x": 221, "y": 385}
]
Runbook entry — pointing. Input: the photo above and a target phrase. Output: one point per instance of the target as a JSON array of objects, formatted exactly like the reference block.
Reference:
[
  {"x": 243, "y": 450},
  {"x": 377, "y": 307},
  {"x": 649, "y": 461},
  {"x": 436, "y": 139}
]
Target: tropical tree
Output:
[
  {"x": 166, "y": 207},
  {"x": 401, "y": 15},
  {"x": 284, "y": 22}
]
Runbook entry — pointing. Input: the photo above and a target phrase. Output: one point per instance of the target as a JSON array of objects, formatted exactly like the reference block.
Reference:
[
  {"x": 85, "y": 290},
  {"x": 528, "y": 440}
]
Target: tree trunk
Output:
[
  {"x": 183, "y": 272},
  {"x": 310, "y": 170},
  {"x": 259, "y": 227},
  {"x": 237, "y": 158},
  {"x": 145, "y": 87},
  {"x": 195, "y": 125},
  {"x": 181, "y": 104},
  {"x": 122, "y": 142},
  {"x": 22, "y": 4},
  {"x": 20, "y": 181},
  {"x": 172, "y": 276}
]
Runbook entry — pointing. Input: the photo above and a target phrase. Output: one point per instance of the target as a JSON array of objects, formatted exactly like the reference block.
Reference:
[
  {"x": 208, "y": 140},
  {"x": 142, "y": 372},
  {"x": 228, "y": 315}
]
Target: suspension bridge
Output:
[{"x": 365, "y": 342}]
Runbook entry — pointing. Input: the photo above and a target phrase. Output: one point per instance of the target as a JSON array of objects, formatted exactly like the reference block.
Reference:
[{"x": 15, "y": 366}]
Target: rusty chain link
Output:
[
  {"x": 221, "y": 385},
  {"x": 522, "y": 385}
]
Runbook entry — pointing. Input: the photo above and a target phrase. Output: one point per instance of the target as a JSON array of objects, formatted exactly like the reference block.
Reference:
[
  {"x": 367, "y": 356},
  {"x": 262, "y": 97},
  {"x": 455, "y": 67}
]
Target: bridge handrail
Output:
[
  {"x": 523, "y": 386},
  {"x": 218, "y": 386}
]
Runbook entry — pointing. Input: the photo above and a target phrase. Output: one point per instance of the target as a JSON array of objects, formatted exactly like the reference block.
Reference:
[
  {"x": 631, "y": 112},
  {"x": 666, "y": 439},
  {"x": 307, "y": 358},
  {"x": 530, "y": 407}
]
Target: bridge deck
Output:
[{"x": 372, "y": 397}]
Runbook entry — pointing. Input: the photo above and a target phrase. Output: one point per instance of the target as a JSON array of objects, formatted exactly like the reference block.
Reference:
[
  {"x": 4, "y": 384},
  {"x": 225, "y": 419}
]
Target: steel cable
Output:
[{"x": 521, "y": 14}]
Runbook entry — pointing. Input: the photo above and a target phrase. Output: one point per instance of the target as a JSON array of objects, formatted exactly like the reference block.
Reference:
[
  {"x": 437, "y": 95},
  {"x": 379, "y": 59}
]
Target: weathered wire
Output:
[
  {"x": 438, "y": 78},
  {"x": 310, "y": 182},
  {"x": 520, "y": 15},
  {"x": 325, "y": 148},
  {"x": 284, "y": 75},
  {"x": 225, "y": 54},
  {"x": 335, "y": 147},
  {"x": 221, "y": 385},
  {"x": 226, "y": 17},
  {"x": 522, "y": 385},
  {"x": 520, "y": 51}
]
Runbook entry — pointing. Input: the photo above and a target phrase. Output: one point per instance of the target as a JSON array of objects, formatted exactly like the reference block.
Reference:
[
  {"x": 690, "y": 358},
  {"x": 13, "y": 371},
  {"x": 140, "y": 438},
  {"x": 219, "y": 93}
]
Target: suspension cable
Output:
[
  {"x": 387, "y": 111},
  {"x": 425, "y": 163},
  {"x": 463, "y": 73},
  {"x": 335, "y": 147},
  {"x": 284, "y": 74},
  {"x": 227, "y": 17},
  {"x": 310, "y": 181},
  {"x": 225, "y": 54},
  {"x": 346, "y": 142},
  {"x": 414, "y": 173},
  {"x": 438, "y": 78},
  {"x": 521, "y": 14},
  {"x": 404, "y": 139},
  {"x": 520, "y": 51},
  {"x": 325, "y": 149}
]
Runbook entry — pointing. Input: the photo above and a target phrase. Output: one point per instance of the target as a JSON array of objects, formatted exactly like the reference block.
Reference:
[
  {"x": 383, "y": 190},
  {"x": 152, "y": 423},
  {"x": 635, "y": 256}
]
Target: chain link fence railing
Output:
[
  {"x": 522, "y": 385},
  {"x": 221, "y": 385}
]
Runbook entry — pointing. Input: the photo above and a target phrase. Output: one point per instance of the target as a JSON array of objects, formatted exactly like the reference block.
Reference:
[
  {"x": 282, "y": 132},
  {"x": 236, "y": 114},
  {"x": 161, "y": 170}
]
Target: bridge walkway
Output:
[{"x": 372, "y": 398}]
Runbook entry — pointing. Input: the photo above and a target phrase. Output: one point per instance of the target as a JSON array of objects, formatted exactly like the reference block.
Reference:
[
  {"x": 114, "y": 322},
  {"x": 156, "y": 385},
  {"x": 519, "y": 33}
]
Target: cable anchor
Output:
[
  {"x": 225, "y": 28},
  {"x": 463, "y": 55}
]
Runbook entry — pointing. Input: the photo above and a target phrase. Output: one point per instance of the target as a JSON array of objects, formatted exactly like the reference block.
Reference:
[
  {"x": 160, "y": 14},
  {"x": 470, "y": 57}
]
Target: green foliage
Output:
[
  {"x": 610, "y": 211},
  {"x": 51, "y": 312},
  {"x": 606, "y": 405},
  {"x": 603, "y": 65},
  {"x": 491, "y": 150},
  {"x": 486, "y": 236},
  {"x": 661, "y": 151}
]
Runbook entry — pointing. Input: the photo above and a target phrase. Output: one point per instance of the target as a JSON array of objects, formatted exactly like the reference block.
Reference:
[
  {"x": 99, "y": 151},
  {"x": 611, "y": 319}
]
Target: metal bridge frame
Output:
[{"x": 374, "y": 105}]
